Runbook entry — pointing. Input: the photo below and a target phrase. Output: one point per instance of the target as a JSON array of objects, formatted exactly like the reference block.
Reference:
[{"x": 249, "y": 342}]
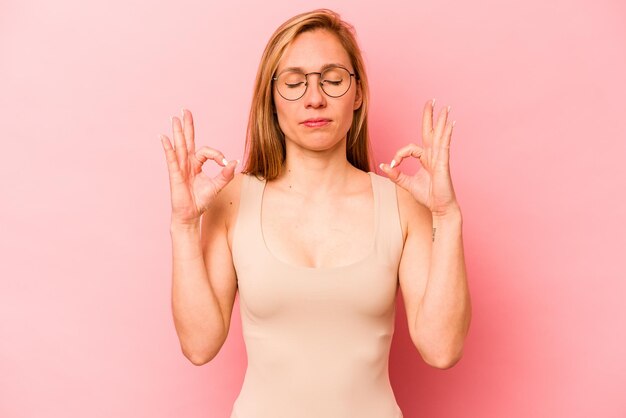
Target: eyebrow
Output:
[{"x": 325, "y": 66}]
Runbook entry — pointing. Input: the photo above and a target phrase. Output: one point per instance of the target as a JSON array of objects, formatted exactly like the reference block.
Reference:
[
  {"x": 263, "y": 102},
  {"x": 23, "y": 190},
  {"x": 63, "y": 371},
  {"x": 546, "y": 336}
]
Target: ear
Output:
[{"x": 358, "y": 99}]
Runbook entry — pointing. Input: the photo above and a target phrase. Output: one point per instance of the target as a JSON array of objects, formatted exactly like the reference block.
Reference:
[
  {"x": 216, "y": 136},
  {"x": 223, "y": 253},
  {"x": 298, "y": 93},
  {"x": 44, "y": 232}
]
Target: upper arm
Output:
[
  {"x": 216, "y": 249},
  {"x": 415, "y": 260}
]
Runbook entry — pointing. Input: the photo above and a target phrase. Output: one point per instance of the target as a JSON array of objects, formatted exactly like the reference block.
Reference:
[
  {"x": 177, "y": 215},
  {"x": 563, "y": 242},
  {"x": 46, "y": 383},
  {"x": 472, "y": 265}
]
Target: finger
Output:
[
  {"x": 441, "y": 124},
  {"x": 438, "y": 133},
  {"x": 225, "y": 175},
  {"x": 396, "y": 176},
  {"x": 205, "y": 153},
  {"x": 427, "y": 123},
  {"x": 188, "y": 129},
  {"x": 444, "y": 153},
  {"x": 410, "y": 150},
  {"x": 179, "y": 143},
  {"x": 172, "y": 161}
]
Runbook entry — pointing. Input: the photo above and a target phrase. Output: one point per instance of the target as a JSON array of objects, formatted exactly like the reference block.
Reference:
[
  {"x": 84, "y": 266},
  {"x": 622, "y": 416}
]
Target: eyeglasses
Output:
[{"x": 335, "y": 82}]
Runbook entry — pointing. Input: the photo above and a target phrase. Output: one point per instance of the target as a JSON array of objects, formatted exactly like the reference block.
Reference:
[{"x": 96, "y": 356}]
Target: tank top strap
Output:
[
  {"x": 251, "y": 196},
  {"x": 247, "y": 239},
  {"x": 390, "y": 241}
]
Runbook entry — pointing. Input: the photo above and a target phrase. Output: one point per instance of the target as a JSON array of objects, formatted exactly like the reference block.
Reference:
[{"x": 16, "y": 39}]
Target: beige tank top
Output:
[{"x": 317, "y": 339}]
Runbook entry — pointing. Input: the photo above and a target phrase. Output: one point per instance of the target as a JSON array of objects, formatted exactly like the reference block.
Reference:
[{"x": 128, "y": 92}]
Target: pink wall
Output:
[{"x": 537, "y": 159}]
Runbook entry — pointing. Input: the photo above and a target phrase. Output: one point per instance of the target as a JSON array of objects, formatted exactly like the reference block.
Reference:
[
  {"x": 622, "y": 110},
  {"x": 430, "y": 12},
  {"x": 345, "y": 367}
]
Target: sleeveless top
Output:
[{"x": 317, "y": 339}]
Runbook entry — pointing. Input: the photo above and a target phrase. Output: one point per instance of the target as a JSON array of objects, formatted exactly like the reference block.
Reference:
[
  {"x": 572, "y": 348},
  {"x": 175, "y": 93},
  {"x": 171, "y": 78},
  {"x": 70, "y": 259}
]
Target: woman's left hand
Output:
[{"x": 432, "y": 184}]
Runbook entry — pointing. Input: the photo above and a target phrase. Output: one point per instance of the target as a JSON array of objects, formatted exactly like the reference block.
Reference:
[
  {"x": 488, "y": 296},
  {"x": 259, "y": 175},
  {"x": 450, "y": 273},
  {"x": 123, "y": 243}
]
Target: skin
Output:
[
  {"x": 319, "y": 197},
  {"x": 319, "y": 211}
]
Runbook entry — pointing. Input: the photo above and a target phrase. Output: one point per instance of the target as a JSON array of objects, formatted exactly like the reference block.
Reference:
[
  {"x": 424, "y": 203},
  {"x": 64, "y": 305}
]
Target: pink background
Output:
[{"x": 537, "y": 159}]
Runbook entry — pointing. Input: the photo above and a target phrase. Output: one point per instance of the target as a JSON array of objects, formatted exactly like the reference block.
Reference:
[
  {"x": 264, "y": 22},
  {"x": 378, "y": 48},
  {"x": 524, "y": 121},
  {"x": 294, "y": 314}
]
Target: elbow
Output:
[
  {"x": 197, "y": 358},
  {"x": 445, "y": 362},
  {"x": 444, "y": 359},
  {"x": 444, "y": 353},
  {"x": 200, "y": 352},
  {"x": 200, "y": 361}
]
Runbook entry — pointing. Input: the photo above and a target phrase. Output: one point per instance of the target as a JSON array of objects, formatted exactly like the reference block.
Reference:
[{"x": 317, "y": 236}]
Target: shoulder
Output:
[
  {"x": 224, "y": 208},
  {"x": 414, "y": 217}
]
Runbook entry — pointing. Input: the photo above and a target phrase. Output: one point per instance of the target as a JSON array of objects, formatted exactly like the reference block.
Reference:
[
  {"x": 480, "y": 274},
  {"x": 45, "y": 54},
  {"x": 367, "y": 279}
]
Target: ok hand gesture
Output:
[
  {"x": 432, "y": 184},
  {"x": 192, "y": 191}
]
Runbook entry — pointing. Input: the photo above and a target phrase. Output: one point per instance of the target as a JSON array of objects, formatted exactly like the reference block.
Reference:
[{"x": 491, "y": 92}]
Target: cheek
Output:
[
  {"x": 347, "y": 106},
  {"x": 282, "y": 116},
  {"x": 348, "y": 112}
]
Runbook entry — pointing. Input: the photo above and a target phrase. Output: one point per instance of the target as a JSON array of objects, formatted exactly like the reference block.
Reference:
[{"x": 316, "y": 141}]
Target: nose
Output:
[{"x": 314, "y": 96}]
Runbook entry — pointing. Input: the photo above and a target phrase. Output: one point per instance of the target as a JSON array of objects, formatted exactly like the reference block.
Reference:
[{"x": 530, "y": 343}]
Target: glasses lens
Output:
[
  {"x": 335, "y": 81},
  {"x": 291, "y": 85}
]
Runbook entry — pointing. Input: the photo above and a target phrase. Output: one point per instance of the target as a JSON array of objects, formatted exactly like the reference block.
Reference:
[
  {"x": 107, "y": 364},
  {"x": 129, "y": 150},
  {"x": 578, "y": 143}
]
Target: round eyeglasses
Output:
[{"x": 335, "y": 82}]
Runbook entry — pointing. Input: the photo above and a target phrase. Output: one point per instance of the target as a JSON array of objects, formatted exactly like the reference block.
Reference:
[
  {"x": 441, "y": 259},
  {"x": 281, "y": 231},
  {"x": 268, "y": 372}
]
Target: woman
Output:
[{"x": 315, "y": 242}]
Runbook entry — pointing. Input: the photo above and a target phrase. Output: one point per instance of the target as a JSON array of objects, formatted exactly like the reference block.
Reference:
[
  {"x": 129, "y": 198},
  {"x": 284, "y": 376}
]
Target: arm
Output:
[
  {"x": 203, "y": 283},
  {"x": 197, "y": 317},
  {"x": 203, "y": 276},
  {"x": 434, "y": 283},
  {"x": 432, "y": 271},
  {"x": 444, "y": 315}
]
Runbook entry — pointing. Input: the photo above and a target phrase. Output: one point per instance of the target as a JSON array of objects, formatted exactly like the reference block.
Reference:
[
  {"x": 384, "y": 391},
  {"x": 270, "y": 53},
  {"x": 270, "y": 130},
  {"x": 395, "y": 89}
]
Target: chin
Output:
[
  {"x": 320, "y": 140},
  {"x": 320, "y": 145}
]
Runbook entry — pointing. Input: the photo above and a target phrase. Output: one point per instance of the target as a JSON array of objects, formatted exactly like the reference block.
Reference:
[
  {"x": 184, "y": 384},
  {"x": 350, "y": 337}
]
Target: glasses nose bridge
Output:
[
  {"x": 306, "y": 85},
  {"x": 306, "y": 77}
]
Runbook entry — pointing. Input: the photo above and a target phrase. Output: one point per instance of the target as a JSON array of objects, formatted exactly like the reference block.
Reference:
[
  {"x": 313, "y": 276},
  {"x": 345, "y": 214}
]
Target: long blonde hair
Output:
[{"x": 265, "y": 142}]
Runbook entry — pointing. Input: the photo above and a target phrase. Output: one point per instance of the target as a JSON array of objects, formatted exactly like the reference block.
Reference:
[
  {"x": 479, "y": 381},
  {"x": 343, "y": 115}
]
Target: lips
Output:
[{"x": 315, "y": 122}]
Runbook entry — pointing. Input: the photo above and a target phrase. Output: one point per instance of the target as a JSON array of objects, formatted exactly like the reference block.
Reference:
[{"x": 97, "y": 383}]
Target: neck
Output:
[{"x": 316, "y": 172}]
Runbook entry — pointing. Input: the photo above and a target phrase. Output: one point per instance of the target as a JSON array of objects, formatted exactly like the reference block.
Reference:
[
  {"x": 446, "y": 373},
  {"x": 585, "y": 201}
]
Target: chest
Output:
[{"x": 305, "y": 232}]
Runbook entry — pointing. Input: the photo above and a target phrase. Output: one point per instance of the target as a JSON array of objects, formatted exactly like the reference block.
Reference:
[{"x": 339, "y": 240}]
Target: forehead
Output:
[{"x": 312, "y": 50}]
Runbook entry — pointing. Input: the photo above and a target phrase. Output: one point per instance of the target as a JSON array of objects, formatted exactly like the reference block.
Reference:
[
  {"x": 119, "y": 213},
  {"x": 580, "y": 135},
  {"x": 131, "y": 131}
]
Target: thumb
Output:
[
  {"x": 226, "y": 175},
  {"x": 394, "y": 174}
]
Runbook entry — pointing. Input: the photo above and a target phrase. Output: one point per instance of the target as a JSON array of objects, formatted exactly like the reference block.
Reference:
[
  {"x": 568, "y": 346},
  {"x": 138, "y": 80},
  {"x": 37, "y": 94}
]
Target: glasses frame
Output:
[{"x": 306, "y": 84}]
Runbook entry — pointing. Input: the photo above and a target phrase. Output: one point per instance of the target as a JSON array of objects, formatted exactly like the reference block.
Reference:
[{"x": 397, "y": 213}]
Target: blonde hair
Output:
[{"x": 265, "y": 142}]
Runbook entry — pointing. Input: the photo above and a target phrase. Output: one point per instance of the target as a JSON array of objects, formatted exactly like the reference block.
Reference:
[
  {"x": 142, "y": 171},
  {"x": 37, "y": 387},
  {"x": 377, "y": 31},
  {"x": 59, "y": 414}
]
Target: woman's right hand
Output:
[{"x": 192, "y": 191}]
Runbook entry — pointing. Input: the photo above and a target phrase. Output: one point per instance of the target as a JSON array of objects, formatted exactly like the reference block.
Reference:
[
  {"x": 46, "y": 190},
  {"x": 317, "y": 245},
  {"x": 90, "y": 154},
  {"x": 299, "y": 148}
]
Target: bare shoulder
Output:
[
  {"x": 414, "y": 216},
  {"x": 223, "y": 209},
  {"x": 226, "y": 202}
]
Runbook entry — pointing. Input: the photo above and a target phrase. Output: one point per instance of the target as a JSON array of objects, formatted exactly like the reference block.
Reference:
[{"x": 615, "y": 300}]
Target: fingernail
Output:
[
  {"x": 224, "y": 161},
  {"x": 172, "y": 119},
  {"x": 393, "y": 163},
  {"x": 182, "y": 112},
  {"x": 238, "y": 162},
  {"x": 453, "y": 122},
  {"x": 433, "y": 102},
  {"x": 449, "y": 107},
  {"x": 380, "y": 165}
]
